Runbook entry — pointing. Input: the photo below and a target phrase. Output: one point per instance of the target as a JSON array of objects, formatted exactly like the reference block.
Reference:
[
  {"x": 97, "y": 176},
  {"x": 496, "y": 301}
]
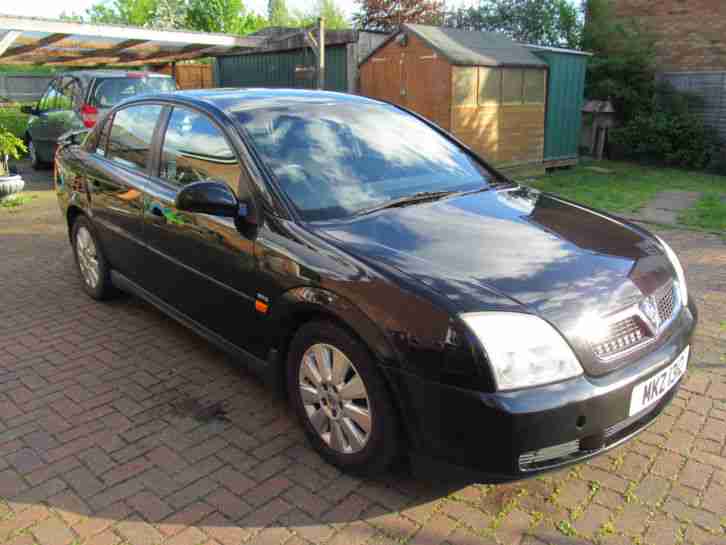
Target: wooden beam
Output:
[
  {"x": 116, "y": 49},
  {"x": 20, "y": 50},
  {"x": 158, "y": 57},
  {"x": 119, "y": 32},
  {"x": 9, "y": 36},
  {"x": 101, "y": 53}
]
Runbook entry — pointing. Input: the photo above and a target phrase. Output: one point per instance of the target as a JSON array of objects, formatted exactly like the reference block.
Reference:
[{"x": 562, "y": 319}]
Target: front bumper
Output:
[{"x": 483, "y": 435}]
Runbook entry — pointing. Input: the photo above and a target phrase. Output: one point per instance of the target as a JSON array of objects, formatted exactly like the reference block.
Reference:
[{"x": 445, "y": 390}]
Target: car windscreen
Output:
[
  {"x": 108, "y": 92},
  {"x": 336, "y": 159}
]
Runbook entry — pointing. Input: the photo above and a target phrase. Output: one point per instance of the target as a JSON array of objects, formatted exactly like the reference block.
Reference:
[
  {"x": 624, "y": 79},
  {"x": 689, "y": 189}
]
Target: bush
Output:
[{"x": 675, "y": 138}]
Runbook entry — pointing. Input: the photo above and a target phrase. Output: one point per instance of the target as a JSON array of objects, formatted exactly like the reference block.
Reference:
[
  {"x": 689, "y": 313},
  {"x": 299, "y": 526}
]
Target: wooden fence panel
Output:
[{"x": 192, "y": 76}]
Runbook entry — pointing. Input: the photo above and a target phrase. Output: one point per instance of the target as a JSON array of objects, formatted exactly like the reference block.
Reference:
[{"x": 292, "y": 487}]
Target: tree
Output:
[
  {"x": 228, "y": 16},
  {"x": 215, "y": 15},
  {"x": 278, "y": 14},
  {"x": 622, "y": 67},
  {"x": 388, "y": 15},
  {"x": 122, "y": 12},
  {"x": 328, "y": 10},
  {"x": 539, "y": 22},
  {"x": 169, "y": 14}
]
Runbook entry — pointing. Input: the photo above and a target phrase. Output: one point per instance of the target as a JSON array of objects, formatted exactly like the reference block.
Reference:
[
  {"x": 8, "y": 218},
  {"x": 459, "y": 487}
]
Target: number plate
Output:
[{"x": 648, "y": 392}]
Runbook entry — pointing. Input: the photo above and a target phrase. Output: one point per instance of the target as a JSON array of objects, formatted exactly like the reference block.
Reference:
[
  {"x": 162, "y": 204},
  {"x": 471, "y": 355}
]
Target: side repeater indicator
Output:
[{"x": 261, "y": 304}]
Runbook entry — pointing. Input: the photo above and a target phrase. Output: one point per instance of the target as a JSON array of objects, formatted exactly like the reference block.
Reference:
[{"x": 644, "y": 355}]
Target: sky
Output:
[{"x": 53, "y": 8}]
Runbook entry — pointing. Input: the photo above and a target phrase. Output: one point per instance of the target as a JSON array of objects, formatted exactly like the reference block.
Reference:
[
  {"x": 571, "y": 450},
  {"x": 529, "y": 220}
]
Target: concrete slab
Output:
[{"x": 667, "y": 205}]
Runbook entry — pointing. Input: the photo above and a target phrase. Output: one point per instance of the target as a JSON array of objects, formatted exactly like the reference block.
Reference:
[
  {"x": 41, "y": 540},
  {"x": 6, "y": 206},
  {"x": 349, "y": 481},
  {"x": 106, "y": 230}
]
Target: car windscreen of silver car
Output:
[{"x": 334, "y": 160}]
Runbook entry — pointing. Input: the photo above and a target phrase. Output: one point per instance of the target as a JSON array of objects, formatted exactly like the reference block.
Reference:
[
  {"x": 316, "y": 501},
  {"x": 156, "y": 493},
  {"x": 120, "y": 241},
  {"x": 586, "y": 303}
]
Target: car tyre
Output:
[
  {"x": 92, "y": 265},
  {"x": 35, "y": 161},
  {"x": 364, "y": 437}
]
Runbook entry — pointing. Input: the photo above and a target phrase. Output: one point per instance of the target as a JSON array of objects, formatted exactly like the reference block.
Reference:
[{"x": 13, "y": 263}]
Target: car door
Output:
[
  {"x": 65, "y": 117},
  {"x": 204, "y": 266},
  {"x": 117, "y": 174},
  {"x": 39, "y": 127}
]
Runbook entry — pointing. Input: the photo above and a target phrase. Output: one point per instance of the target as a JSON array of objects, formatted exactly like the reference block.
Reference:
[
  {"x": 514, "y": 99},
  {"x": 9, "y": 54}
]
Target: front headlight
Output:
[
  {"x": 523, "y": 350},
  {"x": 673, "y": 258}
]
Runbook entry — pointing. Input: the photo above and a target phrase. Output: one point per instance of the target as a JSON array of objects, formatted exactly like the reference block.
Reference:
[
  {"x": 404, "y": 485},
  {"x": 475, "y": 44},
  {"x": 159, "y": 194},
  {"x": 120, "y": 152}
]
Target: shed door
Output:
[{"x": 421, "y": 91}]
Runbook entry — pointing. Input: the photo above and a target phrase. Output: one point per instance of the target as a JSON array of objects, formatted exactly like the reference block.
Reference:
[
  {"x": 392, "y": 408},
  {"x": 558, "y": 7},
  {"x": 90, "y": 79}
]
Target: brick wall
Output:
[{"x": 691, "y": 34}]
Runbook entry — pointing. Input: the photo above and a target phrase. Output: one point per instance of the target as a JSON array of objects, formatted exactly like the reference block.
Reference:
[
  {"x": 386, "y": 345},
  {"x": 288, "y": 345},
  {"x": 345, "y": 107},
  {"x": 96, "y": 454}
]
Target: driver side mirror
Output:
[
  {"x": 215, "y": 198},
  {"x": 29, "y": 110}
]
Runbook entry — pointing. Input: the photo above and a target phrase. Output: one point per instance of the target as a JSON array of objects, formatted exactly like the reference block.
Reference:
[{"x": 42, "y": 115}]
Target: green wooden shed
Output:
[{"x": 565, "y": 98}]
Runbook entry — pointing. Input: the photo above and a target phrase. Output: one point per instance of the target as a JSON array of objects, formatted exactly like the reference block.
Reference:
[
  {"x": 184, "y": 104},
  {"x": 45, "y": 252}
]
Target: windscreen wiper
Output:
[{"x": 415, "y": 198}]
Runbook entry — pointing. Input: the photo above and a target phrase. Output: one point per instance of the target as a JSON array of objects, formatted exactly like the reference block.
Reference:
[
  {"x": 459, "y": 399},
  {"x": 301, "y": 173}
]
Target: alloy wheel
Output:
[
  {"x": 32, "y": 153},
  {"x": 335, "y": 398},
  {"x": 87, "y": 257}
]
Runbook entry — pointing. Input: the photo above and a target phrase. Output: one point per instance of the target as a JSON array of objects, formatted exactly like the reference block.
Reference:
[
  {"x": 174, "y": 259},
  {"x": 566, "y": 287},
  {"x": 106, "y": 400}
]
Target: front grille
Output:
[
  {"x": 622, "y": 336},
  {"x": 632, "y": 328}
]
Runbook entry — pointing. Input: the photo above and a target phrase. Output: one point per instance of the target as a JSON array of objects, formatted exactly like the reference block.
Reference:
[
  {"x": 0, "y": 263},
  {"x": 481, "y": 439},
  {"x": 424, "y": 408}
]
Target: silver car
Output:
[{"x": 75, "y": 100}]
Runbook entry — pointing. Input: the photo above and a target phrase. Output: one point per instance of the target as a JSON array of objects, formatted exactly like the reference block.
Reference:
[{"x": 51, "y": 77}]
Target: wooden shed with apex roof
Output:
[{"x": 487, "y": 90}]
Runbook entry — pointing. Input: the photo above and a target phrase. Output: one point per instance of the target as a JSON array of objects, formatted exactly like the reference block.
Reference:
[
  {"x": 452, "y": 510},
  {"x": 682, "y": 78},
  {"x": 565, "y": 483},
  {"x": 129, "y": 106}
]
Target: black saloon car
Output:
[{"x": 406, "y": 296}]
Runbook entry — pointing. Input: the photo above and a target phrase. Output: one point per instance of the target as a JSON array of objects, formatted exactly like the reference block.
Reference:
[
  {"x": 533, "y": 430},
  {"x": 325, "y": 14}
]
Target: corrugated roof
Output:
[{"x": 475, "y": 48}]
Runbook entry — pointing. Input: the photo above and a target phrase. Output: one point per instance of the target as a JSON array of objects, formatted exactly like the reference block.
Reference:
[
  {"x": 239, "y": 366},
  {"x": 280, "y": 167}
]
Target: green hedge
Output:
[
  {"x": 12, "y": 119},
  {"x": 674, "y": 138}
]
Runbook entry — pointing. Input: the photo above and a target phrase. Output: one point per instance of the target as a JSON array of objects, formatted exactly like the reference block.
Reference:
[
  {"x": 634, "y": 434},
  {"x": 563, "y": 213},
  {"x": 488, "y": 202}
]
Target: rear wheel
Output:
[
  {"x": 92, "y": 265},
  {"x": 341, "y": 399},
  {"x": 35, "y": 161}
]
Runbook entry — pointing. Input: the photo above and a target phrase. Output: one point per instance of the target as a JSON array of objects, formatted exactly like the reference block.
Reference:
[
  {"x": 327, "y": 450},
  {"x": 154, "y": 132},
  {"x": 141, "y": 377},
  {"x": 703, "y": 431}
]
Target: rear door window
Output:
[
  {"x": 108, "y": 92},
  {"x": 132, "y": 131},
  {"x": 50, "y": 98},
  {"x": 69, "y": 97}
]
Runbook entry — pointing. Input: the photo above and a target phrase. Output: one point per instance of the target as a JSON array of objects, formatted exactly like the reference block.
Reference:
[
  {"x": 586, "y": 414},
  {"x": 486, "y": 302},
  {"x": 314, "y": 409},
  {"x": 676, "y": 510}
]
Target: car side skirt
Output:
[{"x": 258, "y": 366}]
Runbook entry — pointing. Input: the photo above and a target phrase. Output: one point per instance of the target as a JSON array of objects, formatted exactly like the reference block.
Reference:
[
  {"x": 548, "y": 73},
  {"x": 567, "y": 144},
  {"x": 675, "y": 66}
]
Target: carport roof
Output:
[{"x": 31, "y": 40}]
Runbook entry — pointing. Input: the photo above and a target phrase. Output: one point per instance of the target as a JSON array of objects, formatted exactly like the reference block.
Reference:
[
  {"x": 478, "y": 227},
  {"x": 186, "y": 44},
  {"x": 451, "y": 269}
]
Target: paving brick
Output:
[
  {"x": 11, "y": 484},
  {"x": 193, "y": 492},
  {"x": 663, "y": 530},
  {"x": 139, "y": 532},
  {"x": 116, "y": 493},
  {"x": 695, "y": 474},
  {"x": 150, "y": 506},
  {"x": 267, "y": 490},
  {"x": 70, "y": 507},
  {"x": 52, "y": 532},
  {"x": 106, "y": 537},
  {"x": 228, "y": 504},
  {"x": 84, "y": 482},
  {"x": 189, "y": 516},
  {"x": 233, "y": 480},
  {"x": 190, "y": 536},
  {"x": 222, "y": 530},
  {"x": 652, "y": 489},
  {"x": 474, "y": 518},
  {"x": 126, "y": 471}
]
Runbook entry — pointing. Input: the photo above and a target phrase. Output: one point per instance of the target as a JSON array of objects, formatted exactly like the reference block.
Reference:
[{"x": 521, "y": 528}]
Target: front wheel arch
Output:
[
  {"x": 289, "y": 315},
  {"x": 71, "y": 216}
]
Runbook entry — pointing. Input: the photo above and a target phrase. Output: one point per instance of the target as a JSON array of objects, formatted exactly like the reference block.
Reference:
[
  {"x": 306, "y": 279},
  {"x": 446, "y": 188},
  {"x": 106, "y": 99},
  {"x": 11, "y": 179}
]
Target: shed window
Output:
[
  {"x": 512, "y": 85},
  {"x": 465, "y": 86},
  {"x": 490, "y": 85},
  {"x": 534, "y": 86}
]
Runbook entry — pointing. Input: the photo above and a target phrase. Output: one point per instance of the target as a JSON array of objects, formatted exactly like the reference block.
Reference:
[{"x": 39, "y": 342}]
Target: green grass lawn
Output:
[
  {"x": 629, "y": 186},
  {"x": 12, "y": 119}
]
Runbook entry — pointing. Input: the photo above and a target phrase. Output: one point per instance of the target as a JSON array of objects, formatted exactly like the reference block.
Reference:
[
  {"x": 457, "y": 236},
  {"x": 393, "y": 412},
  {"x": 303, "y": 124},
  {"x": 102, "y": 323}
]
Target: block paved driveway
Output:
[{"x": 107, "y": 436}]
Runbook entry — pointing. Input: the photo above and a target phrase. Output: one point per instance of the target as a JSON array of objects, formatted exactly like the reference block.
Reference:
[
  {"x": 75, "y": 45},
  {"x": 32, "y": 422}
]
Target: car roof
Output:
[{"x": 231, "y": 101}]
